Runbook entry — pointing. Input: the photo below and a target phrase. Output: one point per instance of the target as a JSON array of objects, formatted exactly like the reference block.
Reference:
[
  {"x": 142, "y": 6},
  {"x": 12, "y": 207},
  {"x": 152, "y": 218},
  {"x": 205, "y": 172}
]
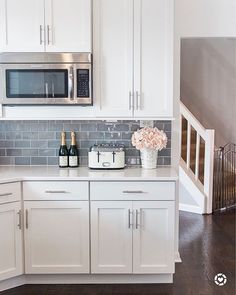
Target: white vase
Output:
[{"x": 149, "y": 158}]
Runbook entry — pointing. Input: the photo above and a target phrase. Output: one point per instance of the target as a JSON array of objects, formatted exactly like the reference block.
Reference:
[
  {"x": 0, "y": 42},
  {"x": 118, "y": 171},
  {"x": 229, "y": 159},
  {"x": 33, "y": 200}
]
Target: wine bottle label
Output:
[
  {"x": 63, "y": 161},
  {"x": 73, "y": 161}
]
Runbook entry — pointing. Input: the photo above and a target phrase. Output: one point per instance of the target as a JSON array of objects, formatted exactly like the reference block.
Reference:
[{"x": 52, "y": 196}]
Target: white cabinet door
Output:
[
  {"x": 68, "y": 25},
  {"x": 153, "y": 58},
  {"x": 22, "y": 25},
  {"x": 111, "y": 237},
  {"x": 153, "y": 237},
  {"x": 11, "y": 251},
  {"x": 57, "y": 237},
  {"x": 113, "y": 57}
]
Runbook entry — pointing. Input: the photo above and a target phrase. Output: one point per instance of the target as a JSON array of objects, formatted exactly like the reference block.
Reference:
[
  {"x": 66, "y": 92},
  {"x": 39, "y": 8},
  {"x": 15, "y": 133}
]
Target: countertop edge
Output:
[
  {"x": 22, "y": 179},
  {"x": 21, "y": 174}
]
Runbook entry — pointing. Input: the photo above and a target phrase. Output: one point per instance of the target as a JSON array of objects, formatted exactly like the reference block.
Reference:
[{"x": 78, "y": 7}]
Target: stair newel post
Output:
[{"x": 209, "y": 169}]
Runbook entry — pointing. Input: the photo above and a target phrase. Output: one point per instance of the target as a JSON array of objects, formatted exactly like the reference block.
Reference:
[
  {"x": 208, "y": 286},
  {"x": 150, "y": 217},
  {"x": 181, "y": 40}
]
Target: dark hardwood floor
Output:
[{"x": 207, "y": 247}]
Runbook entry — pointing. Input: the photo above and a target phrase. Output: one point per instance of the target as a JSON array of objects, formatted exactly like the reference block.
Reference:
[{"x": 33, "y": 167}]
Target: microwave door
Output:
[
  {"x": 23, "y": 84},
  {"x": 35, "y": 84},
  {"x": 57, "y": 85}
]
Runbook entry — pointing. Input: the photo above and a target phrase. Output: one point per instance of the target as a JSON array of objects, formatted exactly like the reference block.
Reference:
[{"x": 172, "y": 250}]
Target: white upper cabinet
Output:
[
  {"x": 45, "y": 25},
  {"x": 133, "y": 53},
  {"x": 153, "y": 58},
  {"x": 113, "y": 57},
  {"x": 68, "y": 25},
  {"x": 21, "y": 25}
]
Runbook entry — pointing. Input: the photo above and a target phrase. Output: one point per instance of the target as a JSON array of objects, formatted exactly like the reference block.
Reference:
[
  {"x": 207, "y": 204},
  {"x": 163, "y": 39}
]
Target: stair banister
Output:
[{"x": 208, "y": 136}]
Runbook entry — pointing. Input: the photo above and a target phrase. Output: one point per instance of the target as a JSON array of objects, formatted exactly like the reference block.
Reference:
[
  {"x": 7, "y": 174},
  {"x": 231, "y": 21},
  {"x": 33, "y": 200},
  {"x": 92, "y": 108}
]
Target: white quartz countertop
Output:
[{"x": 21, "y": 173}]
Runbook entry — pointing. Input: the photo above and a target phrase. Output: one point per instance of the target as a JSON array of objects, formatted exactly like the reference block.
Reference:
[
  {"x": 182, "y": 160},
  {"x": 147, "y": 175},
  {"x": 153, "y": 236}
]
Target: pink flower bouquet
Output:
[{"x": 149, "y": 138}]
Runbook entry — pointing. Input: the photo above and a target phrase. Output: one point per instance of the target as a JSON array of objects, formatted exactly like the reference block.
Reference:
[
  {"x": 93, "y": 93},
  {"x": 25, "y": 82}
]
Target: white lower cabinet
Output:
[
  {"x": 11, "y": 250},
  {"x": 111, "y": 237},
  {"x": 120, "y": 228},
  {"x": 132, "y": 237},
  {"x": 153, "y": 237},
  {"x": 56, "y": 237}
]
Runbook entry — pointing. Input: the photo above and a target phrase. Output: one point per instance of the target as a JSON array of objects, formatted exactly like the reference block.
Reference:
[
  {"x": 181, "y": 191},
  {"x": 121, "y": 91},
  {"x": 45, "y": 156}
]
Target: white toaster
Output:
[{"x": 107, "y": 156}]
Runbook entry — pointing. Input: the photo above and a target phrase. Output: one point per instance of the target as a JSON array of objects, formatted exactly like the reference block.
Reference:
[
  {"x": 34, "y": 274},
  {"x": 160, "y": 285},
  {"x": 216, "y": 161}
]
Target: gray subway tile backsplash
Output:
[{"x": 37, "y": 142}]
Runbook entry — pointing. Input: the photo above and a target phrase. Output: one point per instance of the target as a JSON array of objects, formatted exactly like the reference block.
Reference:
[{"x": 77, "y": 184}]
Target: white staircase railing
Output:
[{"x": 197, "y": 154}]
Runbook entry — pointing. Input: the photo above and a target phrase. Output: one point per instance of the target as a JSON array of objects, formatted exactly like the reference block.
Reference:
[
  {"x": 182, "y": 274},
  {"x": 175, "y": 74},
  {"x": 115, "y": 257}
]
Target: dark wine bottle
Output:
[
  {"x": 63, "y": 152},
  {"x": 73, "y": 152}
]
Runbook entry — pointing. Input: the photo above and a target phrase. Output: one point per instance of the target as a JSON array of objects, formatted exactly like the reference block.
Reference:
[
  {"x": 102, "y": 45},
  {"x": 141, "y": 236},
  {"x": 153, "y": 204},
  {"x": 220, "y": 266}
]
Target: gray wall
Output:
[
  {"x": 37, "y": 142},
  {"x": 208, "y": 84}
]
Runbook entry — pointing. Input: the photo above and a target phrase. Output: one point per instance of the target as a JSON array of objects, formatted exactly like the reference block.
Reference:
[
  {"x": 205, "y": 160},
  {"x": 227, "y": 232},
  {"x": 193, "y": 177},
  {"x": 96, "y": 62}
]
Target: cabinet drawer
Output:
[
  {"x": 10, "y": 192},
  {"x": 132, "y": 191},
  {"x": 55, "y": 190}
]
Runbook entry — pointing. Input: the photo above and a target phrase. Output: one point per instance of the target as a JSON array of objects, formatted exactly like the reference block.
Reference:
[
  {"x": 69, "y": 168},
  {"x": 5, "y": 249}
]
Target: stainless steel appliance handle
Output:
[
  {"x": 56, "y": 192},
  {"x": 46, "y": 89},
  {"x": 71, "y": 83},
  {"x": 6, "y": 194},
  {"x": 133, "y": 192},
  {"x": 26, "y": 219},
  {"x": 20, "y": 218},
  {"x": 53, "y": 90}
]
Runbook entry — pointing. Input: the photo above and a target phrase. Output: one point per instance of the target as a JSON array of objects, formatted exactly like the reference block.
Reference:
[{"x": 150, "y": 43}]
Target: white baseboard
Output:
[
  {"x": 86, "y": 279},
  {"x": 190, "y": 208},
  {"x": 12, "y": 283},
  {"x": 99, "y": 279}
]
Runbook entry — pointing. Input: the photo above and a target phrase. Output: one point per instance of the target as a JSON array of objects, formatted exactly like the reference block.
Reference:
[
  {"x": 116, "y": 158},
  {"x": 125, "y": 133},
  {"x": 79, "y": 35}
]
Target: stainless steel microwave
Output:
[{"x": 46, "y": 79}]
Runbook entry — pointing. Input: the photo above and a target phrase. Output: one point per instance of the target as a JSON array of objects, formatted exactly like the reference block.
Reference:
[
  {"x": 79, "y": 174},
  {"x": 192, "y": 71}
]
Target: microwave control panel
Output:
[{"x": 83, "y": 83}]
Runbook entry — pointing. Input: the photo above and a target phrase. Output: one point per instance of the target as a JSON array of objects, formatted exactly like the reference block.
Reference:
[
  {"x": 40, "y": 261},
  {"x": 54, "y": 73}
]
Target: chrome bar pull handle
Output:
[
  {"x": 130, "y": 217},
  {"x": 137, "y": 217},
  {"x": 26, "y": 219},
  {"x": 48, "y": 34},
  {"x": 6, "y": 194},
  {"x": 40, "y": 34},
  {"x": 138, "y": 102},
  {"x": 133, "y": 192},
  {"x": 56, "y": 192},
  {"x": 71, "y": 83},
  {"x": 131, "y": 98},
  {"x": 20, "y": 219}
]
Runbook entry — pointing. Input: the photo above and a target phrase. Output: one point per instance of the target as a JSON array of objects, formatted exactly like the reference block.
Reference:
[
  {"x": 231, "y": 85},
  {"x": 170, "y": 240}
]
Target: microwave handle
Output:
[{"x": 71, "y": 83}]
